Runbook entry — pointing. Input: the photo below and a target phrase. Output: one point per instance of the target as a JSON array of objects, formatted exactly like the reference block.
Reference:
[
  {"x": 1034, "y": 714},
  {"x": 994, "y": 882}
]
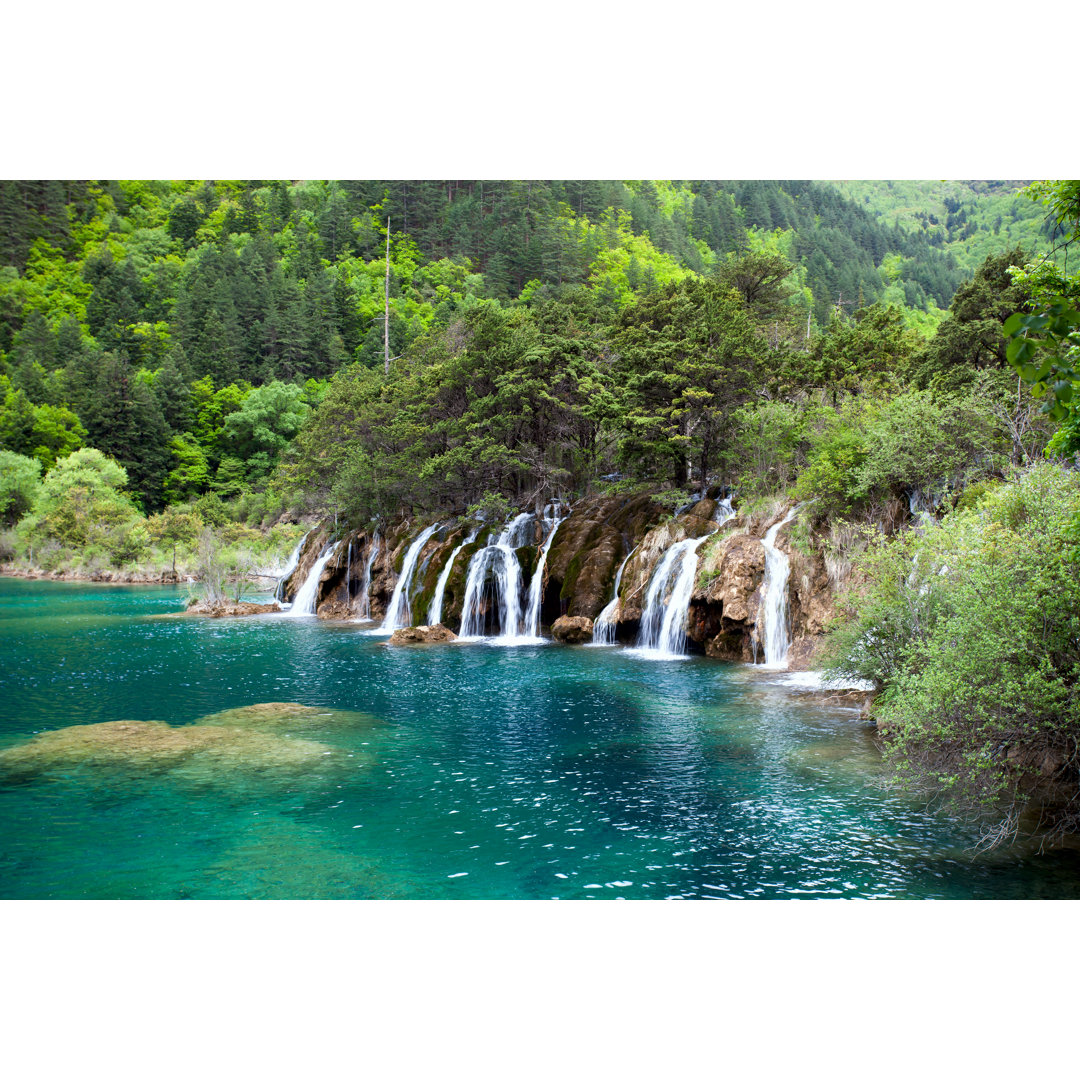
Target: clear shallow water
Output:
[{"x": 446, "y": 772}]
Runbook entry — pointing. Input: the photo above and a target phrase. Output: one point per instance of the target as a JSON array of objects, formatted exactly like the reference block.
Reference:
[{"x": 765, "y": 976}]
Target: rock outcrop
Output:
[
  {"x": 419, "y": 635},
  {"x": 572, "y": 629},
  {"x": 588, "y": 549},
  {"x": 591, "y": 544},
  {"x": 230, "y": 610},
  {"x": 727, "y": 596}
]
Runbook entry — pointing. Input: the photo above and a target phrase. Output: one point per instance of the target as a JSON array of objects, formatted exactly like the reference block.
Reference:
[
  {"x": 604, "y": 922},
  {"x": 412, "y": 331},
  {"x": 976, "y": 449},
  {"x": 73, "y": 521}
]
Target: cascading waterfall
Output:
[
  {"x": 435, "y": 609},
  {"x": 663, "y": 622},
  {"x": 398, "y": 614},
  {"x": 498, "y": 558},
  {"x": 724, "y": 511},
  {"x": 536, "y": 586},
  {"x": 290, "y": 566},
  {"x": 772, "y": 616},
  {"x": 364, "y": 606},
  {"x": 603, "y": 632},
  {"x": 304, "y": 602}
]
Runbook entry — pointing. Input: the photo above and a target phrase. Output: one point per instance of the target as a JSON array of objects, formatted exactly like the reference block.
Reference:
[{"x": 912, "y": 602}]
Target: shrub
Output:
[
  {"x": 20, "y": 485},
  {"x": 127, "y": 542},
  {"x": 972, "y": 628}
]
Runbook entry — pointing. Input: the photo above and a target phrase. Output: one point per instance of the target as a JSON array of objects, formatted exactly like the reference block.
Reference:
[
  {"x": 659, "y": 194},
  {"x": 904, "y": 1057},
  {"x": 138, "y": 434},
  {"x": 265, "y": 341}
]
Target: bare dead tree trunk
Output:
[{"x": 386, "y": 308}]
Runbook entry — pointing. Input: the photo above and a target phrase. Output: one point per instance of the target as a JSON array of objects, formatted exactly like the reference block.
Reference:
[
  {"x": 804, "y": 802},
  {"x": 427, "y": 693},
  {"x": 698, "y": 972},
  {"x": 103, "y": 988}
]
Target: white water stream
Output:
[
  {"x": 495, "y": 575},
  {"x": 772, "y": 616},
  {"x": 603, "y": 631},
  {"x": 399, "y": 614},
  {"x": 290, "y": 566},
  {"x": 662, "y": 635},
  {"x": 364, "y": 606},
  {"x": 304, "y": 601},
  {"x": 435, "y": 608},
  {"x": 553, "y": 517},
  {"x": 505, "y": 584}
]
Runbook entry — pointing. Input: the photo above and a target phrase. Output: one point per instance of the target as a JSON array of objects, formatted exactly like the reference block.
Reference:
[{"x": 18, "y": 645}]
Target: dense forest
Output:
[
  {"x": 187, "y": 329},
  {"x": 183, "y": 357}
]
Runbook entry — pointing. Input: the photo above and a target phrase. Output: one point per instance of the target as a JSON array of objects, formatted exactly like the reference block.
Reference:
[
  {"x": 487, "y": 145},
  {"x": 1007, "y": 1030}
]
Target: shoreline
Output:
[{"x": 111, "y": 577}]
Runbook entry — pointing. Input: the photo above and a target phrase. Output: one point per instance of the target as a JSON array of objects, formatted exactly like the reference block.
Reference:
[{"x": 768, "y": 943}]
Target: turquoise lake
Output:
[{"x": 443, "y": 772}]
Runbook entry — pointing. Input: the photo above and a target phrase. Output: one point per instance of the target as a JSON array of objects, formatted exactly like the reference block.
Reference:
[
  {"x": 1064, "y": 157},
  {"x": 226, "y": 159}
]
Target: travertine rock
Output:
[
  {"x": 415, "y": 635},
  {"x": 572, "y": 629}
]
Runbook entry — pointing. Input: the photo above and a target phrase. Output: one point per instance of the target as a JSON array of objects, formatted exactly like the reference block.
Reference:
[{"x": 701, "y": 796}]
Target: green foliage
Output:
[
  {"x": 174, "y": 527},
  {"x": 769, "y": 446},
  {"x": 491, "y": 506},
  {"x": 20, "y": 484},
  {"x": 872, "y": 449},
  {"x": 190, "y": 475},
  {"x": 126, "y": 541},
  {"x": 45, "y": 432},
  {"x": 211, "y": 509},
  {"x": 1044, "y": 340},
  {"x": 81, "y": 499},
  {"x": 970, "y": 339},
  {"x": 872, "y": 350},
  {"x": 837, "y": 451},
  {"x": 689, "y": 355},
  {"x": 972, "y": 630},
  {"x": 265, "y": 423}
]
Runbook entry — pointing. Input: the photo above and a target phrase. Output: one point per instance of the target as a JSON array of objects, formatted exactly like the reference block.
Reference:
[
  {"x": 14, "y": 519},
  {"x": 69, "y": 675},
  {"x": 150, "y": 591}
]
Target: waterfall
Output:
[
  {"x": 435, "y": 610},
  {"x": 603, "y": 632},
  {"x": 348, "y": 577},
  {"x": 498, "y": 558},
  {"x": 724, "y": 511},
  {"x": 663, "y": 622},
  {"x": 536, "y": 586},
  {"x": 772, "y": 615},
  {"x": 398, "y": 613},
  {"x": 365, "y": 592},
  {"x": 924, "y": 505},
  {"x": 304, "y": 602},
  {"x": 290, "y": 566}
]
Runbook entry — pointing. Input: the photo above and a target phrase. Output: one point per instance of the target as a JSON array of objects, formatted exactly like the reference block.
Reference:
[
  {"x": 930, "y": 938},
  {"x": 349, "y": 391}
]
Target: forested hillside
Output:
[
  {"x": 186, "y": 329},
  {"x": 968, "y": 219}
]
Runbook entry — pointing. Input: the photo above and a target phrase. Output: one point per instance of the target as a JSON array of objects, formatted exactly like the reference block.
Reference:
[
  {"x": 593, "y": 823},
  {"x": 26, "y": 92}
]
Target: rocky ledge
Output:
[
  {"x": 221, "y": 611},
  {"x": 420, "y": 635},
  {"x": 572, "y": 629}
]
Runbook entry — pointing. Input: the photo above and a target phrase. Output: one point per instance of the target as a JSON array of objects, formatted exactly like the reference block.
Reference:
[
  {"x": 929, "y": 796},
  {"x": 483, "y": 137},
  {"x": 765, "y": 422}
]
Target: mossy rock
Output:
[{"x": 206, "y": 752}]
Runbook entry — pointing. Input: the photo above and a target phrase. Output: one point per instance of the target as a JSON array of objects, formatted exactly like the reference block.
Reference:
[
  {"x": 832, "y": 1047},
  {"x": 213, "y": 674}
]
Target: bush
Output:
[
  {"x": 867, "y": 452},
  {"x": 127, "y": 542},
  {"x": 972, "y": 629},
  {"x": 771, "y": 446},
  {"x": 211, "y": 509},
  {"x": 20, "y": 485},
  {"x": 80, "y": 500}
]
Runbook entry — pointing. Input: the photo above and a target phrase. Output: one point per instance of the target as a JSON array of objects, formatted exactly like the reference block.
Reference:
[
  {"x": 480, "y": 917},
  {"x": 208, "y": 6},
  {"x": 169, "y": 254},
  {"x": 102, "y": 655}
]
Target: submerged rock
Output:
[
  {"x": 154, "y": 746},
  {"x": 285, "y": 714},
  {"x": 416, "y": 635},
  {"x": 572, "y": 629}
]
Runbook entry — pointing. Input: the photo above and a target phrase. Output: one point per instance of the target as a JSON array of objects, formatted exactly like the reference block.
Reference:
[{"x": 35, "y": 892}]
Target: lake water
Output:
[{"x": 463, "y": 771}]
